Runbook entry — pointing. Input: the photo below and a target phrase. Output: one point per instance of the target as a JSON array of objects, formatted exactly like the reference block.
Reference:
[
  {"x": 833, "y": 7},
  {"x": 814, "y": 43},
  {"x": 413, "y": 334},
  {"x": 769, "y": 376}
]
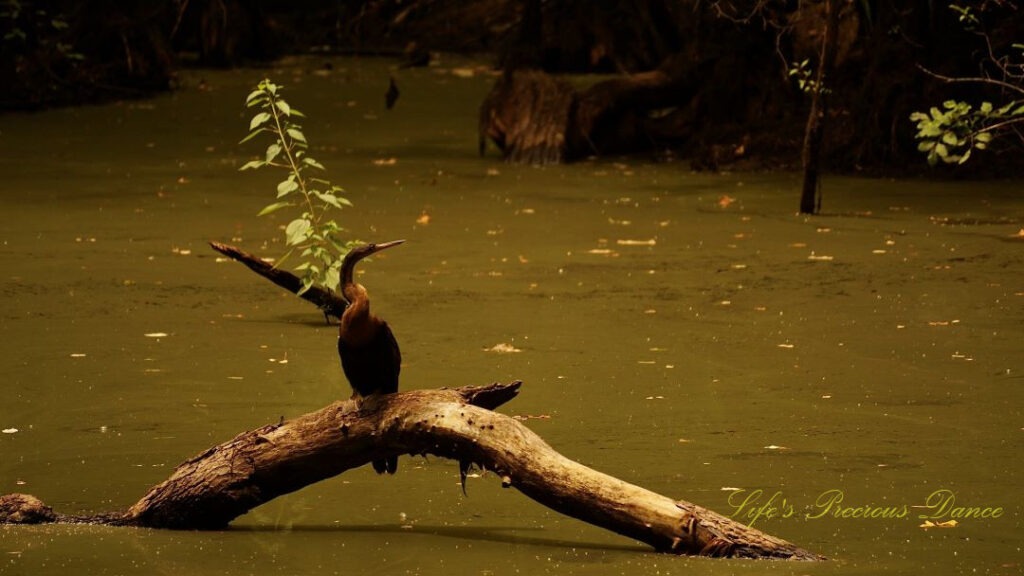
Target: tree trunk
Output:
[
  {"x": 810, "y": 201},
  {"x": 535, "y": 118},
  {"x": 326, "y": 300},
  {"x": 213, "y": 488}
]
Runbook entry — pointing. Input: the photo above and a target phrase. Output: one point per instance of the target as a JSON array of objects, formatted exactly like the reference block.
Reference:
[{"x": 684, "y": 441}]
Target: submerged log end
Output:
[
  {"x": 492, "y": 396},
  {"x": 25, "y": 509},
  {"x": 329, "y": 302}
]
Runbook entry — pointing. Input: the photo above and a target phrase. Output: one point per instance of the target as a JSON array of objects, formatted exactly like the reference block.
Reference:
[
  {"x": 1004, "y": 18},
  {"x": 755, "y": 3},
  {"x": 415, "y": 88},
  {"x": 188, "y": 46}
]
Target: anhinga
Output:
[{"x": 369, "y": 353}]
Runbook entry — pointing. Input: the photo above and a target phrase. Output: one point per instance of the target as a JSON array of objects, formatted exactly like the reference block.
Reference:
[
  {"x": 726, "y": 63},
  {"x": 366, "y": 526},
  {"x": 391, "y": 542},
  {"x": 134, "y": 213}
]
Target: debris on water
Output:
[
  {"x": 826, "y": 396},
  {"x": 531, "y": 417},
  {"x": 9, "y": 430},
  {"x": 77, "y": 355},
  {"x": 180, "y": 251},
  {"x": 786, "y": 346},
  {"x": 655, "y": 398},
  {"x": 236, "y": 378},
  {"x": 724, "y": 201},
  {"x": 492, "y": 172},
  {"x": 423, "y": 219},
  {"x": 156, "y": 335},
  {"x": 630, "y": 242},
  {"x": 684, "y": 441},
  {"x": 947, "y": 524},
  {"x": 774, "y": 447},
  {"x": 503, "y": 348},
  {"x": 385, "y": 161},
  {"x": 730, "y": 489},
  {"x": 821, "y": 258},
  {"x": 220, "y": 259}
]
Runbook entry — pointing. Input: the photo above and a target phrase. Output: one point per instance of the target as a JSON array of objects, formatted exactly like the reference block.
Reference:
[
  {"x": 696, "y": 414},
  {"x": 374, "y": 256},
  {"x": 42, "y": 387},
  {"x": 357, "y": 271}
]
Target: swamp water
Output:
[{"x": 685, "y": 332}]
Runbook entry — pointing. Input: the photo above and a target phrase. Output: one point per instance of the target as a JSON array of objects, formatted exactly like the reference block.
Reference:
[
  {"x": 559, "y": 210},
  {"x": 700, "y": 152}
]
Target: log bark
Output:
[
  {"x": 211, "y": 489},
  {"x": 534, "y": 118},
  {"x": 329, "y": 302}
]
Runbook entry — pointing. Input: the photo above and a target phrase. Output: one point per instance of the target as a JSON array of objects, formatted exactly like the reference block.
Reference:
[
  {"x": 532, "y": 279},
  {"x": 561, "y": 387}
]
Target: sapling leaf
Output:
[
  {"x": 296, "y": 134},
  {"x": 251, "y": 165},
  {"x": 272, "y": 151},
  {"x": 283, "y": 107},
  {"x": 273, "y": 208},
  {"x": 296, "y": 231},
  {"x": 258, "y": 120},
  {"x": 251, "y": 135},
  {"x": 286, "y": 187}
]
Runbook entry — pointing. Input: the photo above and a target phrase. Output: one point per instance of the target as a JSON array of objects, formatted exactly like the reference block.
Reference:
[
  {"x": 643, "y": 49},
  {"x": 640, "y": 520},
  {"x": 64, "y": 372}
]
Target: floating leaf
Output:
[{"x": 503, "y": 348}]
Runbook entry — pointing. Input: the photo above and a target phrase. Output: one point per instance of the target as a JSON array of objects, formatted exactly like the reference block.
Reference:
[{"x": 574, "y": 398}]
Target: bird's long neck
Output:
[{"x": 357, "y": 324}]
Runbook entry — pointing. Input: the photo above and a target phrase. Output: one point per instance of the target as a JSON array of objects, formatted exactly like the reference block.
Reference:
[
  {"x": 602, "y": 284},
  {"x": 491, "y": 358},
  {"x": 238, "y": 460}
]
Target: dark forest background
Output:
[{"x": 731, "y": 61}]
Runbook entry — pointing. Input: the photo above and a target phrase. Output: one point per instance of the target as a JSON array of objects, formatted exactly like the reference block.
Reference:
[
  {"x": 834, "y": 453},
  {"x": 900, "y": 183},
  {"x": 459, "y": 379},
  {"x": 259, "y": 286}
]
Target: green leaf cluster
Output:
[
  {"x": 313, "y": 200},
  {"x": 803, "y": 72},
  {"x": 951, "y": 133}
]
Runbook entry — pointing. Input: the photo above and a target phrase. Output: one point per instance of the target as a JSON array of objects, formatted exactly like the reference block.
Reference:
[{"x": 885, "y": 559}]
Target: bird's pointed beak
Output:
[{"x": 384, "y": 245}]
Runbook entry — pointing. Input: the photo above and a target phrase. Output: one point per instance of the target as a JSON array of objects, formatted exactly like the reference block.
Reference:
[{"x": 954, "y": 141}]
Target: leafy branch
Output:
[
  {"x": 951, "y": 133},
  {"x": 314, "y": 234}
]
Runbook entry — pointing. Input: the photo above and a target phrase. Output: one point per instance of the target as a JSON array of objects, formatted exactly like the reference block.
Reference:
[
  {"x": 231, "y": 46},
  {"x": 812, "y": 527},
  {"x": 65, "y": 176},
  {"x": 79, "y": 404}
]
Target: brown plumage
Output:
[{"x": 369, "y": 352}]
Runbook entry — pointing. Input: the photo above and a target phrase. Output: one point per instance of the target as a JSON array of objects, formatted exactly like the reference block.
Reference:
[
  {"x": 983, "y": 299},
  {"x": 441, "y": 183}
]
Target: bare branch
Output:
[{"x": 972, "y": 80}]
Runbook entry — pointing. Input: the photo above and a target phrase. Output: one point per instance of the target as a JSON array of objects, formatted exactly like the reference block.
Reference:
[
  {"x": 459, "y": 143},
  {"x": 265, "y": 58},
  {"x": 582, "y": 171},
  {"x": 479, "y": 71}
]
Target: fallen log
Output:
[
  {"x": 328, "y": 301},
  {"x": 211, "y": 489}
]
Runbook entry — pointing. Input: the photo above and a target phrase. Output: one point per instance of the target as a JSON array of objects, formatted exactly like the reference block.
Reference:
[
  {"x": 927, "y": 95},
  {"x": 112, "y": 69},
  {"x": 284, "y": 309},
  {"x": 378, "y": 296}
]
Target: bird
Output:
[
  {"x": 391, "y": 96},
  {"x": 369, "y": 353}
]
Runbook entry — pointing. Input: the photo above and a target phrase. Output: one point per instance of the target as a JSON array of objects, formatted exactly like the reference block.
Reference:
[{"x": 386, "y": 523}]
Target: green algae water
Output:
[{"x": 831, "y": 379}]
